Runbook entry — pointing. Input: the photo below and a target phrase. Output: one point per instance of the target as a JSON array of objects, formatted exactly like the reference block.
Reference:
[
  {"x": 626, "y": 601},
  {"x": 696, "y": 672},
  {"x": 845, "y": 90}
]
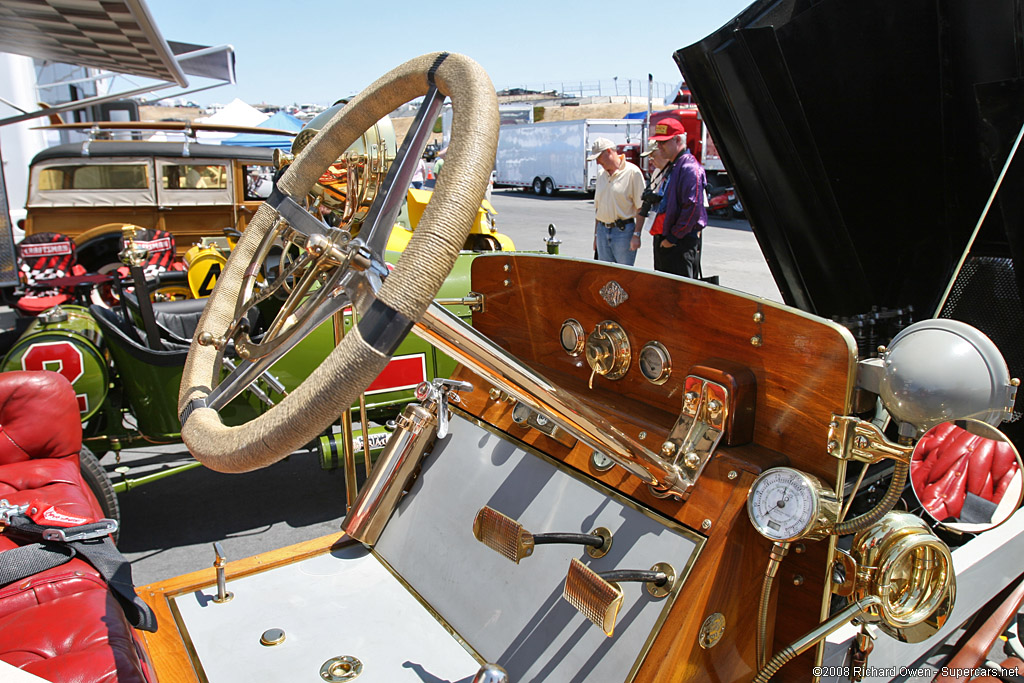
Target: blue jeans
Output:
[{"x": 613, "y": 244}]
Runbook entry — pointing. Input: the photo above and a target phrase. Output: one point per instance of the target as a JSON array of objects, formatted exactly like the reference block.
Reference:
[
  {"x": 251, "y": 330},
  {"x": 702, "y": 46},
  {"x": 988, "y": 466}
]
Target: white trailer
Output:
[{"x": 547, "y": 157}]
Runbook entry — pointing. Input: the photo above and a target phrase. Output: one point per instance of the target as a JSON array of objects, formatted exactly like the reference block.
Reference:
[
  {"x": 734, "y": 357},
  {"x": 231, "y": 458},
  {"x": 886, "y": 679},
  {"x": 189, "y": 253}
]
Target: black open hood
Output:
[{"x": 864, "y": 137}]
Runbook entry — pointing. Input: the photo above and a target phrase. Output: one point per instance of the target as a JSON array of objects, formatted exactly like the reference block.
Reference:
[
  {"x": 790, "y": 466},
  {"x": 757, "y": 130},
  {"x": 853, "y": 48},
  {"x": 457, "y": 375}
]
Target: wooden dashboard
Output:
[{"x": 803, "y": 369}]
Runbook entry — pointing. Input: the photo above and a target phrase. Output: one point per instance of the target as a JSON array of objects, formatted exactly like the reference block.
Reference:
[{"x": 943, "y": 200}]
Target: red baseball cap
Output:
[{"x": 667, "y": 128}]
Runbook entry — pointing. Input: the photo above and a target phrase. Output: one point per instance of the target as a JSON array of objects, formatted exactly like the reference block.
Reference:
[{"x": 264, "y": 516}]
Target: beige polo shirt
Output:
[{"x": 620, "y": 195}]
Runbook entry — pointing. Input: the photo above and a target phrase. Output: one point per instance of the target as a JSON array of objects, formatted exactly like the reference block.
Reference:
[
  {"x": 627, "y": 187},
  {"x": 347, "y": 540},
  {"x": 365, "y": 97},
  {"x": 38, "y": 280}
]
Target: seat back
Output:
[
  {"x": 39, "y": 417},
  {"x": 44, "y": 256},
  {"x": 160, "y": 247}
]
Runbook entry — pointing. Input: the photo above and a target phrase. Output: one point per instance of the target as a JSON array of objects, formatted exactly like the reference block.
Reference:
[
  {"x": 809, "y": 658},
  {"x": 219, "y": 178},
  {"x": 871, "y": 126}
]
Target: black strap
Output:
[
  {"x": 146, "y": 309},
  {"x": 24, "y": 561},
  {"x": 432, "y": 71},
  {"x": 99, "y": 552},
  {"x": 384, "y": 328}
]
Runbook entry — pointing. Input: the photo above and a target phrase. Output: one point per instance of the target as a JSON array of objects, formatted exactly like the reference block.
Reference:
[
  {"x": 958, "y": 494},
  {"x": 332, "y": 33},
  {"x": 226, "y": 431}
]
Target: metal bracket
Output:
[
  {"x": 525, "y": 416},
  {"x": 850, "y": 438},
  {"x": 700, "y": 427}
]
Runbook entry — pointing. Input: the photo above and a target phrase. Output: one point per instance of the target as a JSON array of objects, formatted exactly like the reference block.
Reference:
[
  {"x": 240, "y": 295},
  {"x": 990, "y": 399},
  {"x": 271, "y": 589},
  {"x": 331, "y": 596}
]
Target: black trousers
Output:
[{"x": 682, "y": 259}]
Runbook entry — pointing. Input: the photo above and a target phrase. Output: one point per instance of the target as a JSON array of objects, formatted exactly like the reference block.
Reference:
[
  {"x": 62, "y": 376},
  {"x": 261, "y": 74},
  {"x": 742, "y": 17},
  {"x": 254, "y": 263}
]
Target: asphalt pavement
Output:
[{"x": 169, "y": 526}]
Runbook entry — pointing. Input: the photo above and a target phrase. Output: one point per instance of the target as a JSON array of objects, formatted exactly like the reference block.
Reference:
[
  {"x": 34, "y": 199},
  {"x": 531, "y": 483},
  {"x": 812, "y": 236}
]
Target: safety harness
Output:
[{"x": 54, "y": 537}]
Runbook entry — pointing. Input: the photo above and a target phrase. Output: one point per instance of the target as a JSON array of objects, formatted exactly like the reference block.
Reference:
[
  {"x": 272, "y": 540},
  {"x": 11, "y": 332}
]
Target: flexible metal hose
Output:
[
  {"x": 780, "y": 659},
  {"x": 779, "y": 551},
  {"x": 899, "y": 480}
]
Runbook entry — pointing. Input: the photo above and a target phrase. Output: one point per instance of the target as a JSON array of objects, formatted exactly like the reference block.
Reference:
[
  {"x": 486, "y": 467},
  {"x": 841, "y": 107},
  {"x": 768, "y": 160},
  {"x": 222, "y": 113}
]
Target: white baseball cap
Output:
[{"x": 600, "y": 145}]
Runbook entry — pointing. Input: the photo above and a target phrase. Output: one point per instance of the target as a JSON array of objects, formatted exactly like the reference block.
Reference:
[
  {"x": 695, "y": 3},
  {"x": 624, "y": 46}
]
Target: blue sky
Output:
[{"x": 314, "y": 51}]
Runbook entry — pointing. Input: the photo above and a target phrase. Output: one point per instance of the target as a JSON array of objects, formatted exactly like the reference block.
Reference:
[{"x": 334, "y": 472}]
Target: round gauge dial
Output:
[
  {"x": 655, "y": 362},
  {"x": 785, "y": 504},
  {"x": 573, "y": 337}
]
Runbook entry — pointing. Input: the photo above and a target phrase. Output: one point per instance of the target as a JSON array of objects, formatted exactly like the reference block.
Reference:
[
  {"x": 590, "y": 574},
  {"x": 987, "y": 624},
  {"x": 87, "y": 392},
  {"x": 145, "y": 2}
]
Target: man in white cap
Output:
[{"x": 617, "y": 198}]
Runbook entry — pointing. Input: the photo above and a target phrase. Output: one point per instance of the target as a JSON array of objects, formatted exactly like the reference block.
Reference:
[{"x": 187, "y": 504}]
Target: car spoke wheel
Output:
[{"x": 339, "y": 270}]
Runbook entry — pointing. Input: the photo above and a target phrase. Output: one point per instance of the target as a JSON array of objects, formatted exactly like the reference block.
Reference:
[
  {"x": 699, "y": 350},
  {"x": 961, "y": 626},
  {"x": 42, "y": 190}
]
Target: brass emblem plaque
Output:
[
  {"x": 613, "y": 293},
  {"x": 711, "y": 631}
]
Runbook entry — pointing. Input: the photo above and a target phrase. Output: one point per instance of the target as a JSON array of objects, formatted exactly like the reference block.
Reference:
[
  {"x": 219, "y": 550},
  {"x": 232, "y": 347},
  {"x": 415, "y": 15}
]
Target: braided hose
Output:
[
  {"x": 781, "y": 658},
  {"x": 779, "y": 551},
  {"x": 899, "y": 480}
]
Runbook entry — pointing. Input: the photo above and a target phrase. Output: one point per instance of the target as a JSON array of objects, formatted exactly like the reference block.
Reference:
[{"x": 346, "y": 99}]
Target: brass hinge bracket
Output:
[{"x": 850, "y": 438}]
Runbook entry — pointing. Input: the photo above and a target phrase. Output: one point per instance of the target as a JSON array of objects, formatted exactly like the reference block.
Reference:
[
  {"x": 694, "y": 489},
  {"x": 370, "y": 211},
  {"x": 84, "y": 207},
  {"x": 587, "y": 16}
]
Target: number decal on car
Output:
[{"x": 63, "y": 358}]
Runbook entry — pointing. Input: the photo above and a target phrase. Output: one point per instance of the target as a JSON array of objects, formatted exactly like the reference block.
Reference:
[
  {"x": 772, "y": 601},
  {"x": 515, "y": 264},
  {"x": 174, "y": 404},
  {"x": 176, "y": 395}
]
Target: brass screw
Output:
[
  {"x": 1014, "y": 382},
  {"x": 507, "y": 267},
  {"x": 508, "y": 283},
  {"x": 733, "y": 474},
  {"x": 714, "y": 407},
  {"x": 494, "y": 393},
  {"x": 691, "y": 460},
  {"x": 756, "y": 340},
  {"x": 799, "y": 548},
  {"x": 882, "y": 349},
  {"x": 642, "y": 435},
  {"x": 706, "y": 524},
  {"x": 861, "y": 441},
  {"x": 758, "y": 317},
  {"x": 798, "y": 580},
  {"x": 668, "y": 449},
  {"x": 833, "y": 446},
  {"x": 690, "y": 398}
]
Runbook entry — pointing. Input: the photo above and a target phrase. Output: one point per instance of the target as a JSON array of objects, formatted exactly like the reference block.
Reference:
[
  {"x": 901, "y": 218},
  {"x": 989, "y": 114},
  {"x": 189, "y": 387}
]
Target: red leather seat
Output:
[
  {"x": 62, "y": 624},
  {"x": 950, "y": 462}
]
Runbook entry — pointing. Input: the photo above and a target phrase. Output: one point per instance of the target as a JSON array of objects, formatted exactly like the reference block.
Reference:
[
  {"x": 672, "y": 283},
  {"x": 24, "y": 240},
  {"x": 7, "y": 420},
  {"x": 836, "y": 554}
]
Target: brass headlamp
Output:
[
  {"x": 910, "y": 570},
  {"x": 349, "y": 186}
]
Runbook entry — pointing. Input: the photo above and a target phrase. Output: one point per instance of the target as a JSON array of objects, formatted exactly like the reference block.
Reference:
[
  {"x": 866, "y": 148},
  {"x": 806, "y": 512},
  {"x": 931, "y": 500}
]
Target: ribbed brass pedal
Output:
[
  {"x": 595, "y": 598},
  {"x": 508, "y": 537},
  {"x": 598, "y": 596},
  {"x": 502, "y": 534}
]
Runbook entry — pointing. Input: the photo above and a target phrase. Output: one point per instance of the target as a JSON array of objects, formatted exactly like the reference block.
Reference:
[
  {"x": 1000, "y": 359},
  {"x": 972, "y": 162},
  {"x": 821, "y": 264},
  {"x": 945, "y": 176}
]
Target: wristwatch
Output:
[{"x": 636, "y": 234}]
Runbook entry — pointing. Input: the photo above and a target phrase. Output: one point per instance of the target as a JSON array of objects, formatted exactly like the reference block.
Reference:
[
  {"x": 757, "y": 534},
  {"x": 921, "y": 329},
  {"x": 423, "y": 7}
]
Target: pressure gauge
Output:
[
  {"x": 785, "y": 504},
  {"x": 573, "y": 337},
  {"x": 655, "y": 363}
]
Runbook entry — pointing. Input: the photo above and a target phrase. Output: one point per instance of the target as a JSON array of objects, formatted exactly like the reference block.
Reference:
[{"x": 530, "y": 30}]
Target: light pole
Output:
[{"x": 616, "y": 79}]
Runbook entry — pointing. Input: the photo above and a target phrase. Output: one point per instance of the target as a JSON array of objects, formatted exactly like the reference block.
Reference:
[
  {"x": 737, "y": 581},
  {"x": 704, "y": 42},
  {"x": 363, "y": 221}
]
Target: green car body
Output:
[{"x": 129, "y": 400}]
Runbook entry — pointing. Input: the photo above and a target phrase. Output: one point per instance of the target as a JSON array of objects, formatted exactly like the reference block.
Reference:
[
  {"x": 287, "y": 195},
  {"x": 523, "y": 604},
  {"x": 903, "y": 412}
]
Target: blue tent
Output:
[{"x": 280, "y": 121}]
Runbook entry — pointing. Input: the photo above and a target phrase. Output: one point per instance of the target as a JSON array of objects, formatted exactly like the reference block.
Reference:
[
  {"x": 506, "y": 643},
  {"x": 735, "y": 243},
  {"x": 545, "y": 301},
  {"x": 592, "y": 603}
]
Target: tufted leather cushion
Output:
[
  {"x": 62, "y": 624},
  {"x": 950, "y": 462},
  {"x": 39, "y": 417},
  {"x": 77, "y": 638},
  {"x": 69, "y": 578}
]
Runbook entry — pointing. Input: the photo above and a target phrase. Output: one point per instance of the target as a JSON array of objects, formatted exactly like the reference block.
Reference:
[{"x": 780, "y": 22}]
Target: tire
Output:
[
  {"x": 549, "y": 187},
  {"x": 95, "y": 477},
  {"x": 538, "y": 186}
]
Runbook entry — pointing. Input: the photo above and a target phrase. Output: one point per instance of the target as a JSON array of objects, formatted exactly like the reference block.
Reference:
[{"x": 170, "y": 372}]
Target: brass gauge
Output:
[
  {"x": 573, "y": 337},
  {"x": 785, "y": 504},
  {"x": 655, "y": 362},
  {"x": 608, "y": 351}
]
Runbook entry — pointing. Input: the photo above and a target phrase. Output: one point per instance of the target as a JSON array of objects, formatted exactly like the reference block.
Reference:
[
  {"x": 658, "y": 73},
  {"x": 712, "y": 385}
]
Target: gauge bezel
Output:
[
  {"x": 666, "y": 366},
  {"x": 581, "y": 337},
  {"x": 818, "y": 495}
]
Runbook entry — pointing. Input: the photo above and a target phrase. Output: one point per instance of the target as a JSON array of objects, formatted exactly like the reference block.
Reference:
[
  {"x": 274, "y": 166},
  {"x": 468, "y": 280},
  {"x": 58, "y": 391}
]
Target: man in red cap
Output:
[{"x": 677, "y": 249}]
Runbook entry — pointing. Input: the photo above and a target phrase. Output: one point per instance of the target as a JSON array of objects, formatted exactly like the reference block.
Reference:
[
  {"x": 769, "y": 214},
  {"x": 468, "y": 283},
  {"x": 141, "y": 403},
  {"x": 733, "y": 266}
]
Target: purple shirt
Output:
[{"x": 684, "y": 199}]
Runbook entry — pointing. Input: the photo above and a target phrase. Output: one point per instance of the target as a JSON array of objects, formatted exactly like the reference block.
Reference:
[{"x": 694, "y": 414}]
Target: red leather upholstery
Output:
[
  {"x": 61, "y": 624},
  {"x": 949, "y": 462},
  {"x": 38, "y": 417}
]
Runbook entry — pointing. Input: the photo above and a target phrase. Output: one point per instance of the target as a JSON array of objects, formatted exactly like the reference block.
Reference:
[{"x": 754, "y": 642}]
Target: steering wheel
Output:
[{"x": 336, "y": 270}]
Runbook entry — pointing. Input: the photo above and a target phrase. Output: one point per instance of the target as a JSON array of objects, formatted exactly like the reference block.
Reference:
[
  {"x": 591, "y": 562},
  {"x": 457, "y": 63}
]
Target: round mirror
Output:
[{"x": 967, "y": 475}]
